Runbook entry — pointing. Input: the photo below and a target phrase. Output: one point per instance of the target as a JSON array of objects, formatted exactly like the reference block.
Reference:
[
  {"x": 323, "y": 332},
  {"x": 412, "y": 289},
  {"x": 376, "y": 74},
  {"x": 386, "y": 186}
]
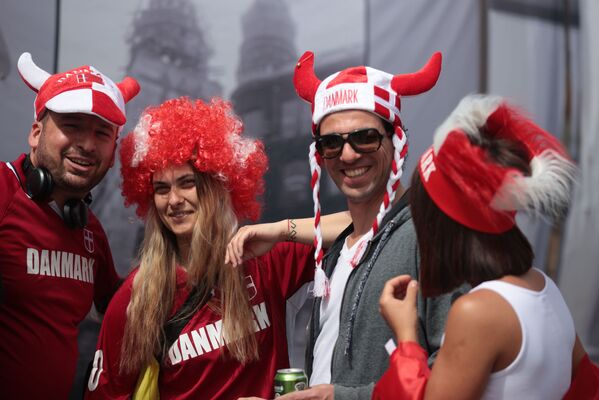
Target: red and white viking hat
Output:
[
  {"x": 470, "y": 188},
  {"x": 359, "y": 88},
  {"x": 80, "y": 90}
]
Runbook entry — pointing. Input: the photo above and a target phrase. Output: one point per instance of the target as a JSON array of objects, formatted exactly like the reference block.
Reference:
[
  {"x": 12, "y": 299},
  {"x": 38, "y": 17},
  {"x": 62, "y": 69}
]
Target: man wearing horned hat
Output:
[
  {"x": 54, "y": 255},
  {"x": 359, "y": 137}
]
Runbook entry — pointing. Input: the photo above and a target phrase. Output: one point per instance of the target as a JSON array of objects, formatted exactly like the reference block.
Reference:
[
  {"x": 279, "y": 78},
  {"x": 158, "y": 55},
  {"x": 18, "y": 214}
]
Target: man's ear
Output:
[
  {"x": 116, "y": 145},
  {"x": 113, "y": 156},
  {"x": 34, "y": 134}
]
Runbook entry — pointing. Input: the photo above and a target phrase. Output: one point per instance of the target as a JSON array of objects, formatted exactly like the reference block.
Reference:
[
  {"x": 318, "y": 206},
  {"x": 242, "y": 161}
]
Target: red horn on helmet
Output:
[
  {"x": 304, "y": 78},
  {"x": 129, "y": 88},
  {"x": 421, "y": 81}
]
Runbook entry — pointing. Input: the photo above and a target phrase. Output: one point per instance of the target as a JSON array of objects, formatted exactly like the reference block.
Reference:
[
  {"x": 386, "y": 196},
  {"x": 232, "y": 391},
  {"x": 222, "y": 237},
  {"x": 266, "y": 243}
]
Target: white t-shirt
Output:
[{"x": 330, "y": 309}]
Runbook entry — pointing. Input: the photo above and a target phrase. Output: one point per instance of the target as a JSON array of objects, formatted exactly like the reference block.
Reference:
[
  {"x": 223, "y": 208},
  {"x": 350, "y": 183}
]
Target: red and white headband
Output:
[
  {"x": 470, "y": 188},
  {"x": 359, "y": 88},
  {"x": 80, "y": 90}
]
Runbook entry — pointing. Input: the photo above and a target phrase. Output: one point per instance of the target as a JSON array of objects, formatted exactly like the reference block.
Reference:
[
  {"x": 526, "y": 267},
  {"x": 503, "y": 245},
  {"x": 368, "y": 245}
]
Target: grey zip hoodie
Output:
[{"x": 359, "y": 356}]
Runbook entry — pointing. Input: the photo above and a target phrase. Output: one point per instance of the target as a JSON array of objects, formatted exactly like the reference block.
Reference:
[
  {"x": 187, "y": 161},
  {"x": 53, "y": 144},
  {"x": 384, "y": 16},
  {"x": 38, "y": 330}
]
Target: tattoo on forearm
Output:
[{"x": 291, "y": 229}]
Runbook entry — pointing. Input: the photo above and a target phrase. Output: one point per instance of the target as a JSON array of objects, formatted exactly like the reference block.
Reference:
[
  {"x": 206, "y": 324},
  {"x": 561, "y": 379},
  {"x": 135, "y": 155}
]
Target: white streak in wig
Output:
[
  {"x": 546, "y": 191},
  {"x": 242, "y": 148},
  {"x": 141, "y": 134},
  {"x": 471, "y": 114}
]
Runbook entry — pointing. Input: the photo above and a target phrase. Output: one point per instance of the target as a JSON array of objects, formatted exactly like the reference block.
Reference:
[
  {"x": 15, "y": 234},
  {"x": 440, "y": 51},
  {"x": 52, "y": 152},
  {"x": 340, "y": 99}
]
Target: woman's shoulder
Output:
[
  {"x": 292, "y": 248},
  {"x": 119, "y": 302},
  {"x": 127, "y": 282},
  {"x": 282, "y": 253},
  {"x": 484, "y": 311},
  {"x": 482, "y": 321}
]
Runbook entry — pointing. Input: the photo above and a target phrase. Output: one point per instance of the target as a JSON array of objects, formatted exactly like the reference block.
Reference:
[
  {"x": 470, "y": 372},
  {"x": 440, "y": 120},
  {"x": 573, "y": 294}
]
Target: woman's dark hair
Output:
[{"x": 451, "y": 253}]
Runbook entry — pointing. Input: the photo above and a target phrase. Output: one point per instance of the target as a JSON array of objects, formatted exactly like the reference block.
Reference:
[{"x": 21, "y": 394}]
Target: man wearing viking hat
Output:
[
  {"x": 54, "y": 255},
  {"x": 359, "y": 136}
]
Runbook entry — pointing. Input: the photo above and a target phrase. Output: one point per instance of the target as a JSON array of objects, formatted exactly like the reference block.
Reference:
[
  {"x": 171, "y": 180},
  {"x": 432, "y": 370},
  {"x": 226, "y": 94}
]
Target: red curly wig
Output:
[{"x": 206, "y": 135}]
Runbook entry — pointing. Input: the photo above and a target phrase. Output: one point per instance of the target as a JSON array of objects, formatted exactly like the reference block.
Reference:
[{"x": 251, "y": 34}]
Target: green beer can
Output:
[{"x": 290, "y": 380}]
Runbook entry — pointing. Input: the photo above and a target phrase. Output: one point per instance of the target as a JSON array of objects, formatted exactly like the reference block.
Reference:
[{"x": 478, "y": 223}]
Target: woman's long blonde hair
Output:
[{"x": 154, "y": 285}]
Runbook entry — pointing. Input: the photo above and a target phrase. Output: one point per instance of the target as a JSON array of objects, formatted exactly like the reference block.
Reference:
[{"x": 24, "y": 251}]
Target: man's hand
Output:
[
  {"x": 318, "y": 392},
  {"x": 398, "y": 306},
  {"x": 254, "y": 240}
]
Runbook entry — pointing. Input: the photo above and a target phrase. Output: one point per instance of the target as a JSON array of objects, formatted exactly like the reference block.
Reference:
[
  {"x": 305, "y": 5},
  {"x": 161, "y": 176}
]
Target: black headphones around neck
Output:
[{"x": 39, "y": 185}]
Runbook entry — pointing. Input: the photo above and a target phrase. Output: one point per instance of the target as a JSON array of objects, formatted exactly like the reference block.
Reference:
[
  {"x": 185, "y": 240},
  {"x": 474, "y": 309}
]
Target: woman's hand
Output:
[
  {"x": 254, "y": 240},
  {"x": 398, "y": 306}
]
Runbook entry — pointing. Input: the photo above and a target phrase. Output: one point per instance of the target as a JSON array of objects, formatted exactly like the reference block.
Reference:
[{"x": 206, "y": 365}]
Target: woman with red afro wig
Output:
[{"x": 184, "y": 324}]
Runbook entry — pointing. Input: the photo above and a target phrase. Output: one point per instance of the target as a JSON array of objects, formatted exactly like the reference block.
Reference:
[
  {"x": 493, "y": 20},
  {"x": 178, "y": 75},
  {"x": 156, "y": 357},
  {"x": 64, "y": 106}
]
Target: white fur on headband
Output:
[
  {"x": 469, "y": 116},
  {"x": 546, "y": 191}
]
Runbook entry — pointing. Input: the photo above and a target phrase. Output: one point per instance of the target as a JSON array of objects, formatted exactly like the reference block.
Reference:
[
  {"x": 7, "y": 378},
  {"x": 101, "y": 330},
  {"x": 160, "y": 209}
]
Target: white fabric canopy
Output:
[
  {"x": 579, "y": 280},
  {"x": 403, "y": 35}
]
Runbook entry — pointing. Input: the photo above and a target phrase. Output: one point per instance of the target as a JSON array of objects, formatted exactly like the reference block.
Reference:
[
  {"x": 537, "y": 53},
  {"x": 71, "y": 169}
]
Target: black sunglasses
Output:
[{"x": 362, "y": 141}]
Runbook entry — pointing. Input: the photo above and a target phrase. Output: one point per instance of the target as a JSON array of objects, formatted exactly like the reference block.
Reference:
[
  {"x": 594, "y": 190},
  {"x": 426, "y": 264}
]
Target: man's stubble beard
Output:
[{"x": 57, "y": 171}]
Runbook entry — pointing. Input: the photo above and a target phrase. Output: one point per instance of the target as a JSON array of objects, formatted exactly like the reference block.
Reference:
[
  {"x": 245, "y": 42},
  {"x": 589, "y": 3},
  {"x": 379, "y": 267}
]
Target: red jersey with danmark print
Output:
[
  {"x": 198, "y": 366},
  {"x": 50, "y": 277}
]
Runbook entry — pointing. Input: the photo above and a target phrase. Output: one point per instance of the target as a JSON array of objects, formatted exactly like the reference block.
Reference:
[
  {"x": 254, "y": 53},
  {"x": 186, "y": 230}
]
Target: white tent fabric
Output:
[
  {"x": 579, "y": 280},
  {"x": 403, "y": 35},
  {"x": 526, "y": 65}
]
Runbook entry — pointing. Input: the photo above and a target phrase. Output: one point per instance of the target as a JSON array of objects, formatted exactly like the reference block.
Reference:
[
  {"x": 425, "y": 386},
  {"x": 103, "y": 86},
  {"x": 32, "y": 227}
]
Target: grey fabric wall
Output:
[
  {"x": 579, "y": 278},
  {"x": 22, "y": 29}
]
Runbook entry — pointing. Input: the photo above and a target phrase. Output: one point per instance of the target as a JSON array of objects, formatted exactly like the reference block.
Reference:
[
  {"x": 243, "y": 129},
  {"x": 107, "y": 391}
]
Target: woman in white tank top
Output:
[{"x": 512, "y": 336}]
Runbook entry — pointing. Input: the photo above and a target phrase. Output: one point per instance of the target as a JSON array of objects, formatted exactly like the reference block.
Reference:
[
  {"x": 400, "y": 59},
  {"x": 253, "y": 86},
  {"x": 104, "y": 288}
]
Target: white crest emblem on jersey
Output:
[
  {"x": 88, "y": 240},
  {"x": 250, "y": 286}
]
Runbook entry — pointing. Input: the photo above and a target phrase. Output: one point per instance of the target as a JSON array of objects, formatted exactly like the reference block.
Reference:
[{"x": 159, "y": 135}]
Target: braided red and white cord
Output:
[{"x": 321, "y": 282}]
